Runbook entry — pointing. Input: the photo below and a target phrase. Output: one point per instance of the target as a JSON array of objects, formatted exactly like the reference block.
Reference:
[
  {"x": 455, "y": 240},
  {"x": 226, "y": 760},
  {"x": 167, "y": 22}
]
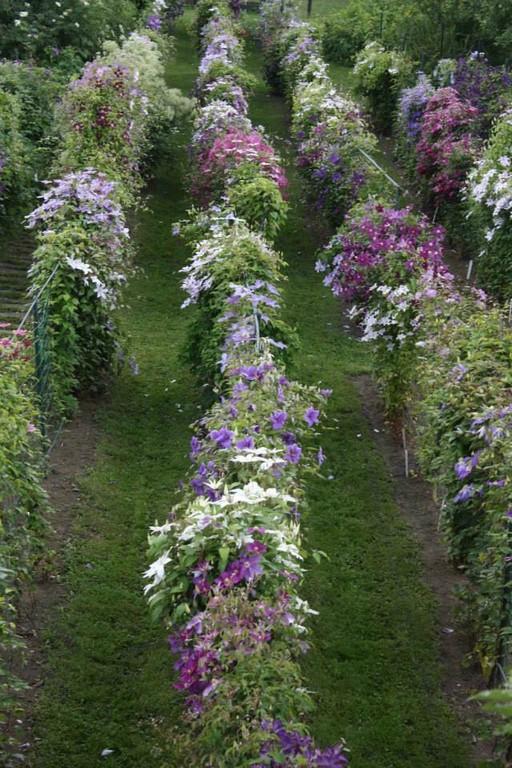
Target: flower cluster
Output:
[
  {"x": 385, "y": 262},
  {"x": 447, "y": 147},
  {"x": 83, "y": 246},
  {"x": 412, "y": 104},
  {"x": 485, "y": 87},
  {"x": 295, "y": 749},
  {"x": 229, "y": 560}
]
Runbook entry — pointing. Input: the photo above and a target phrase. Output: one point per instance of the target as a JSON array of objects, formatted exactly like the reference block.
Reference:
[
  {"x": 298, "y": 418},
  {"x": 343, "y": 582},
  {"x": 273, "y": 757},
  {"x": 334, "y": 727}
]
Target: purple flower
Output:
[
  {"x": 288, "y": 438},
  {"x": 311, "y": 416},
  {"x": 466, "y": 492},
  {"x": 466, "y": 465},
  {"x": 278, "y": 419},
  {"x": 245, "y": 442},
  {"x": 293, "y": 453},
  {"x": 195, "y": 447},
  {"x": 223, "y": 437},
  {"x": 320, "y": 457},
  {"x": 154, "y": 22}
]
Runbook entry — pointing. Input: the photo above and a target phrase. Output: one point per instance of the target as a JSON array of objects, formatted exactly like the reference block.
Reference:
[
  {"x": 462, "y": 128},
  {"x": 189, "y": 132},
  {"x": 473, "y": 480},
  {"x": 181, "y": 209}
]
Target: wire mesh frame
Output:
[{"x": 36, "y": 321}]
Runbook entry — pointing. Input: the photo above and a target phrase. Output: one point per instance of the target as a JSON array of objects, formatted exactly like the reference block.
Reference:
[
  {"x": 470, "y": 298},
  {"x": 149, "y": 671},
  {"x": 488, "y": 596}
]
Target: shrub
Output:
[
  {"x": 380, "y": 75},
  {"x": 465, "y": 424},
  {"x": 22, "y": 497},
  {"x": 345, "y": 33},
  {"x": 41, "y": 30},
  {"x": 83, "y": 242},
  {"x": 14, "y": 154},
  {"x": 228, "y": 255},
  {"x": 447, "y": 147},
  {"x": 490, "y": 205},
  {"x": 485, "y": 87},
  {"x": 260, "y": 203},
  {"x": 331, "y": 141},
  {"x": 230, "y": 151},
  {"x": 383, "y": 262}
]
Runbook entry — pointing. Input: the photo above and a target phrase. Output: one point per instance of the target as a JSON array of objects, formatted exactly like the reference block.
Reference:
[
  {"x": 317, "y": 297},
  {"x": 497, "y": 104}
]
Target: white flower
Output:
[
  {"x": 79, "y": 265},
  {"x": 156, "y": 571}
]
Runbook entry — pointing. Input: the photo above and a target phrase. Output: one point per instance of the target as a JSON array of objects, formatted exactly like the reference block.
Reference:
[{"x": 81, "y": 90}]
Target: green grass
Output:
[
  {"x": 109, "y": 680},
  {"x": 374, "y": 661}
]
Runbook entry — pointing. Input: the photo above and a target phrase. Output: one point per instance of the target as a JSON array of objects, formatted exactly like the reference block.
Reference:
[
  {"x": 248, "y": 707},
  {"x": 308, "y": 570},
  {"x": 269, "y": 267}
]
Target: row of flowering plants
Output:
[
  {"x": 81, "y": 261},
  {"x": 453, "y": 135},
  {"x": 108, "y": 119},
  {"x": 442, "y": 351},
  {"x": 332, "y": 139},
  {"x": 229, "y": 560},
  {"x": 22, "y": 501}
]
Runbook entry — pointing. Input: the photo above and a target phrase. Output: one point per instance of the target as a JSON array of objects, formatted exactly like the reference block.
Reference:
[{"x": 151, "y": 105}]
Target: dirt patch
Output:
[
  {"x": 415, "y": 501},
  {"x": 73, "y": 453}
]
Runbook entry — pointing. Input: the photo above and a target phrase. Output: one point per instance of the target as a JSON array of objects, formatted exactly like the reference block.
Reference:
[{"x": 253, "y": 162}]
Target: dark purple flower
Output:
[
  {"x": 293, "y": 453},
  {"x": 195, "y": 447},
  {"x": 154, "y": 22},
  {"x": 288, "y": 438}
]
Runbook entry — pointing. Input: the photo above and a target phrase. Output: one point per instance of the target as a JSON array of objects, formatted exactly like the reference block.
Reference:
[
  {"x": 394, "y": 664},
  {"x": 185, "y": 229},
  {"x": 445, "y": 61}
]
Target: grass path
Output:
[
  {"x": 374, "y": 661},
  {"x": 109, "y": 668}
]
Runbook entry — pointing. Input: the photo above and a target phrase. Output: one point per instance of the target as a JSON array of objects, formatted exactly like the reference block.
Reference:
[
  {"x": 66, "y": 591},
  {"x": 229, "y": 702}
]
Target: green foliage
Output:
[
  {"x": 489, "y": 201},
  {"x": 259, "y": 201},
  {"x": 27, "y": 133},
  {"x": 14, "y": 154},
  {"x": 380, "y": 76},
  {"x": 41, "y": 29},
  {"x": 425, "y": 29},
  {"x": 498, "y": 702},
  {"x": 344, "y": 34},
  {"x": 22, "y": 498},
  {"x": 464, "y": 379}
]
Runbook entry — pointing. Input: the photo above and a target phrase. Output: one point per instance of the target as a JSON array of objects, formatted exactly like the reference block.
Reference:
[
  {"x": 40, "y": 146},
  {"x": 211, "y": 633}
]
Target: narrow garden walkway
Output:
[{"x": 374, "y": 661}]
